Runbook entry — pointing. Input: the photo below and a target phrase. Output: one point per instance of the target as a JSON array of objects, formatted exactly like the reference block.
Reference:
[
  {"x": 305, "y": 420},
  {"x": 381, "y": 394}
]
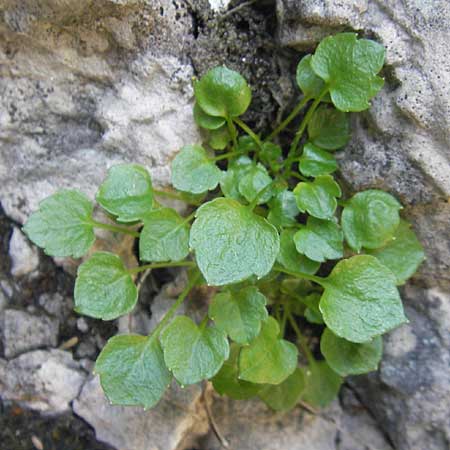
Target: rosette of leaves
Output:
[{"x": 259, "y": 223}]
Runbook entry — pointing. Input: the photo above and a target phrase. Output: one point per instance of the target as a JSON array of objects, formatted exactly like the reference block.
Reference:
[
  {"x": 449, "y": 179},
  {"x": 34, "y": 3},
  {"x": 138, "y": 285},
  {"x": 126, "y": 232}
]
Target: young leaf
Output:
[
  {"x": 104, "y": 288},
  {"x": 312, "y": 312},
  {"x": 126, "y": 192},
  {"x": 318, "y": 197},
  {"x": 239, "y": 313},
  {"x": 219, "y": 139},
  {"x": 165, "y": 236},
  {"x": 320, "y": 240},
  {"x": 229, "y": 182},
  {"x": 132, "y": 371},
  {"x": 268, "y": 359},
  {"x": 232, "y": 243},
  {"x": 349, "y": 66},
  {"x": 193, "y": 171},
  {"x": 348, "y": 358},
  {"x": 223, "y": 92},
  {"x": 370, "y": 219},
  {"x": 361, "y": 300},
  {"x": 283, "y": 209},
  {"x": 315, "y": 161},
  {"x": 310, "y": 84},
  {"x": 290, "y": 258},
  {"x": 270, "y": 155},
  {"x": 226, "y": 382},
  {"x": 246, "y": 144},
  {"x": 254, "y": 180},
  {"x": 284, "y": 396},
  {"x": 63, "y": 224},
  {"x": 329, "y": 128},
  {"x": 322, "y": 384},
  {"x": 205, "y": 120},
  {"x": 193, "y": 353},
  {"x": 403, "y": 254}
]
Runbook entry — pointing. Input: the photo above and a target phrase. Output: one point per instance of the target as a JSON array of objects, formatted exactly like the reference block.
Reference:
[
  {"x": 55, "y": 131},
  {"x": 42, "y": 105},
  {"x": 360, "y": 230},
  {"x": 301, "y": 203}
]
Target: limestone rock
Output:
[
  {"x": 45, "y": 381},
  {"x": 24, "y": 257}
]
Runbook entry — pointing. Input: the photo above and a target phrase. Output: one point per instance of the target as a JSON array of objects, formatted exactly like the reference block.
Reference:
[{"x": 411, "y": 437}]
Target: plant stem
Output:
[
  {"x": 115, "y": 228},
  {"x": 297, "y": 175},
  {"x": 283, "y": 319},
  {"x": 318, "y": 280},
  {"x": 301, "y": 340},
  {"x": 249, "y": 131},
  {"x": 294, "y": 113},
  {"x": 226, "y": 156},
  {"x": 174, "y": 196},
  {"x": 252, "y": 205},
  {"x": 161, "y": 266},
  {"x": 232, "y": 130},
  {"x": 169, "y": 314}
]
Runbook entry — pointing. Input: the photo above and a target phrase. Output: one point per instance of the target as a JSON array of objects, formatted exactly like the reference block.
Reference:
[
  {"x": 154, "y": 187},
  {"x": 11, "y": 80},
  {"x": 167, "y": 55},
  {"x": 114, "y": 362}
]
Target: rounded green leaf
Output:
[
  {"x": 349, "y": 358},
  {"x": 284, "y": 396},
  {"x": 220, "y": 138},
  {"x": 193, "y": 353},
  {"x": 310, "y": 84},
  {"x": 205, "y": 120},
  {"x": 226, "y": 382},
  {"x": 104, "y": 288},
  {"x": 193, "y": 171},
  {"x": 165, "y": 236},
  {"x": 283, "y": 209},
  {"x": 370, "y": 219},
  {"x": 239, "y": 313},
  {"x": 315, "y": 161},
  {"x": 403, "y": 254},
  {"x": 232, "y": 243},
  {"x": 361, "y": 300},
  {"x": 223, "y": 92},
  {"x": 255, "y": 179},
  {"x": 290, "y": 258},
  {"x": 322, "y": 384},
  {"x": 270, "y": 155},
  {"x": 320, "y": 240},
  {"x": 126, "y": 192},
  {"x": 229, "y": 182},
  {"x": 63, "y": 224},
  {"x": 349, "y": 67},
  {"x": 329, "y": 128},
  {"x": 268, "y": 359},
  {"x": 318, "y": 197},
  {"x": 312, "y": 312},
  {"x": 132, "y": 371}
]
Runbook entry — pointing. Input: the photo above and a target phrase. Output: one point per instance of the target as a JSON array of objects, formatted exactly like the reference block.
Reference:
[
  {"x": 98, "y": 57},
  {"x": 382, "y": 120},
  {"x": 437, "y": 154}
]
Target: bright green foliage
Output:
[
  {"x": 239, "y": 313},
  {"x": 361, "y": 300},
  {"x": 254, "y": 180},
  {"x": 290, "y": 258},
  {"x": 193, "y": 353},
  {"x": 63, "y": 224},
  {"x": 232, "y": 243},
  {"x": 227, "y": 381},
  {"x": 206, "y": 121},
  {"x": 348, "y": 358},
  {"x": 268, "y": 359},
  {"x": 329, "y": 128},
  {"x": 104, "y": 288},
  {"x": 318, "y": 197},
  {"x": 315, "y": 161},
  {"x": 322, "y": 384},
  {"x": 261, "y": 238},
  {"x": 370, "y": 219},
  {"x": 403, "y": 254},
  {"x": 165, "y": 236},
  {"x": 320, "y": 240},
  {"x": 283, "y": 209},
  {"x": 193, "y": 171},
  {"x": 223, "y": 92},
  {"x": 132, "y": 371},
  {"x": 127, "y": 192},
  {"x": 284, "y": 396},
  {"x": 349, "y": 66}
]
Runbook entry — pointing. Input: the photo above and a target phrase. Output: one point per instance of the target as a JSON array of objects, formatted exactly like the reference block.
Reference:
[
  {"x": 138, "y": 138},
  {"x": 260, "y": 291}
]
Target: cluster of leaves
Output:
[{"x": 267, "y": 219}]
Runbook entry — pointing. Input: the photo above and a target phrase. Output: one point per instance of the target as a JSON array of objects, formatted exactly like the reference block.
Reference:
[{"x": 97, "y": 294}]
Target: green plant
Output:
[{"x": 266, "y": 221}]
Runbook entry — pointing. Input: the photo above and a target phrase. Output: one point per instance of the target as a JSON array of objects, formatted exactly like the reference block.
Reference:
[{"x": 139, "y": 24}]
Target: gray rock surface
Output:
[
  {"x": 22, "y": 331},
  {"x": 24, "y": 256},
  {"x": 175, "y": 423},
  {"x": 45, "y": 381}
]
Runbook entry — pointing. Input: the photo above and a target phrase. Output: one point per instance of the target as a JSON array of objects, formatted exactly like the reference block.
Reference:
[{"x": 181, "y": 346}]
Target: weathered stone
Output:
[
  {"x": 56, "y": 305},
  {"x": 23, "y": 331},
  {"x": 175, "y": 423},
  {"x": 24, "y": 257},
  {"x": 45, "y": 381}
]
